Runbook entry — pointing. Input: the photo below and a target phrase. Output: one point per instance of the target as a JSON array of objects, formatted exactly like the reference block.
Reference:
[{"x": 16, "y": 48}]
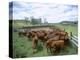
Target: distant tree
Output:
[
  {"x": 27, "y": 20},
  {"x": 35, "y": 20},
  {"x": 45, "y": 21},
  {"x": 39, "y": 21}
]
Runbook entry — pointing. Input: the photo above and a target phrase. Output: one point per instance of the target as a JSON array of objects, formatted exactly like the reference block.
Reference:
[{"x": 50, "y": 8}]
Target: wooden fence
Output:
[{"x": 74, "y": 39}]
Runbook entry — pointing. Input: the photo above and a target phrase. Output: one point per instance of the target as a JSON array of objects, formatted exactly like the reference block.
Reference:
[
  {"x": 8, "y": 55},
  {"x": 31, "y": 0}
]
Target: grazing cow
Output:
[
  {"x": 58, "y": 45},
  {"x": 54, "y": 39},
  {"x": 36, "y": 35},
  {"x": 41, "y": 35},
  {"x": 54, "y": 45},
  {"x": 30, "y": 34},
  {"x": 49, "y": 40},
  {"x": 64, "y": 36},
  {"x": 34, "y": 43},
  {"x": 33, "y": 36}
]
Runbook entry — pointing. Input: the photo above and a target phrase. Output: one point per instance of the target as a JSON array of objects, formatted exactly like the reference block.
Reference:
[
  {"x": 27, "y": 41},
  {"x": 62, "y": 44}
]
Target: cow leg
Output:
[
  {"x": 56, "y": 50},
  {"x": 33, "y": 45},
  {"x": 36, "y": 43},
  {"x": 51, "y": 50},
  {"x": 47, "y": 50}
]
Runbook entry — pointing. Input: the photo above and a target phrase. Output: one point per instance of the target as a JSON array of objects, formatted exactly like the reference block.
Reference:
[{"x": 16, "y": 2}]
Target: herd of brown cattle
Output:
[{"x": 54, "y": 39}]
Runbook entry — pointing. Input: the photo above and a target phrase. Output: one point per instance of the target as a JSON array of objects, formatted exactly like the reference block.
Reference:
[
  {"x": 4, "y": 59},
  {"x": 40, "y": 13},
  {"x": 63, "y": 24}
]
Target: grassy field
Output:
[
  {"x": 22, "y": 46},
  {"x": 69, "y": 28}
]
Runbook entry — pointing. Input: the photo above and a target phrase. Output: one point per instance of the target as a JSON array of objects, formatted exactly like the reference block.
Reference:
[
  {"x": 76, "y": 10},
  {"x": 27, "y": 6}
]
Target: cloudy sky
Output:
[{"x": 52, "y": 12}]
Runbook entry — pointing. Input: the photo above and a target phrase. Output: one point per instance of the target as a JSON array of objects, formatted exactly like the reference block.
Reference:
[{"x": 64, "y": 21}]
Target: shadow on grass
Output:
[
  {"x": 29, "y": 39},
  {"x": 39, "y": 48}
]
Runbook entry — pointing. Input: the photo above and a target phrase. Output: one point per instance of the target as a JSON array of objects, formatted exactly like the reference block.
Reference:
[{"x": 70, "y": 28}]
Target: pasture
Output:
[{"x": 22, "y": 46}]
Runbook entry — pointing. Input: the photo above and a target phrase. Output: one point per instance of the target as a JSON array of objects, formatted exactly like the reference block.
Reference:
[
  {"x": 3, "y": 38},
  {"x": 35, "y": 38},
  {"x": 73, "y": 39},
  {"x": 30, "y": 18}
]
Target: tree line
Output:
[{"x": 33, "y": 20}]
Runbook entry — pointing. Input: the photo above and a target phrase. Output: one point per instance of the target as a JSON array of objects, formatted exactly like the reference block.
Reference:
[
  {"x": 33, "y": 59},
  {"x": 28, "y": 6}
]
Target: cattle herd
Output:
[{"x": 54, "y": 39}]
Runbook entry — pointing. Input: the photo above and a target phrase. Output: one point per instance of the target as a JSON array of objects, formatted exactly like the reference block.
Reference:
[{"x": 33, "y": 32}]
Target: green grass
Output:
[
  {"x": 22, "y": 46},
  {"x": 20, "y": 23},
  {"x": 69, "y": 28}
]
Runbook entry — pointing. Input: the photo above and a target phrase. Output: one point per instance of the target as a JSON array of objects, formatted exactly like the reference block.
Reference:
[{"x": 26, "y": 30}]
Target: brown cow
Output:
[
  {"x": 64, "y": 36},
  {"x": 48, "y": 37},
  {"x": 41, "y": 35},
  {"x": 33, "y": 36},
  {"x": 30, "y": 34},
  {"x": 54, "y": 45},
  {"x": 58, "y": 45},
  {"x": 34, "y": 43}
]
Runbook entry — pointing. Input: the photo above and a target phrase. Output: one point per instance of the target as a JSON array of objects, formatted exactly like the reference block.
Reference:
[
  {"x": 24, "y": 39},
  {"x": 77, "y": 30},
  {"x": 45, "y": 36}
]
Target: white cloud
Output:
[{"x": 52, "y": 12}]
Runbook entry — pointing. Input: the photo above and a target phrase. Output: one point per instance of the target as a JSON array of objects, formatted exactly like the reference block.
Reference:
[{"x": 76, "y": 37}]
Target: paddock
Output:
[{"x": 25, "y": 45}]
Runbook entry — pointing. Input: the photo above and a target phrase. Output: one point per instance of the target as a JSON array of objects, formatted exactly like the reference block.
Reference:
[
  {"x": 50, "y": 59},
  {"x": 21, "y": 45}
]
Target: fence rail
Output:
[
  {"x": 74, "y": 43},
  {"x": 74, "y": 39}
]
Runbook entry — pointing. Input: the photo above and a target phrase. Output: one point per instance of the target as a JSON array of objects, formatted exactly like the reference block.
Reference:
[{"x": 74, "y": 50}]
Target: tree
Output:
[
  {"x": 45, "y": 21},
  {"x": 35, "y": 20},
  {"x": 27, "y": 20}
]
